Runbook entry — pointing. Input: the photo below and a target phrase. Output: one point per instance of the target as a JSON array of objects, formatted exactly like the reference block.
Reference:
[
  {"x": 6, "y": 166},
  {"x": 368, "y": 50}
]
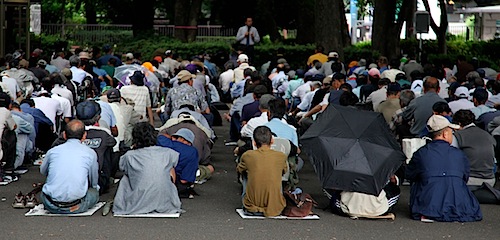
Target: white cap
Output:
[
  {"x": 462, "y": 92},
  {"x": 438, "y": 122},
  {"x": 242, "y": 58},
  {"x": 129, "y": 56},
  {"x": 333, "y": 54}
]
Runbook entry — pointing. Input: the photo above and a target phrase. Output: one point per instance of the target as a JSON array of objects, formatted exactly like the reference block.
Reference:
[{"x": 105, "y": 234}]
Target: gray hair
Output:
[
  {"x": 75, "y": 61},
  {"x": 405, "y": 97},
  {"x": 316, "y": 84}
]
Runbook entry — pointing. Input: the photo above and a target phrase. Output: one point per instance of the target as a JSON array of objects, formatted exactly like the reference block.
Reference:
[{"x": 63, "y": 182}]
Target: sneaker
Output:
[
  {"x": 30, "y": 200},
  {"x": 21, "y": 170},
  {"x": 18, "y": 201},
  {"x": 426, "y": 220},
  {"x": 231, "y": 144}
]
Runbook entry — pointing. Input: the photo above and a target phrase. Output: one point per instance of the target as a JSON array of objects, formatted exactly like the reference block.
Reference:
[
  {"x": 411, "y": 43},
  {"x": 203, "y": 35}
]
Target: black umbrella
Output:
[{"x": 352, "y": 150}]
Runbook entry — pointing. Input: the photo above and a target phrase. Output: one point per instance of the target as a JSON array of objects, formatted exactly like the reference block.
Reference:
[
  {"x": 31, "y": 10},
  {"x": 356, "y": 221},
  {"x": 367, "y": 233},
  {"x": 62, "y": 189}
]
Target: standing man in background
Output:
[{"x": 247, "y": 37}]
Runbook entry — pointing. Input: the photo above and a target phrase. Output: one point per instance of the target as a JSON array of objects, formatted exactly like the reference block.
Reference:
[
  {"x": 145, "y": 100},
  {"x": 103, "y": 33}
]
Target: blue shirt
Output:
[
  {"x": 188, "y": 158},
  {"x": 31, "y": 120},
  {"x": 103, "y": 61},
  {"x": 107, "y": 114},
  {"x": 99, "y": 72},
  {"x": 69, "y": 168},
  {"x": 283, "y": 130},
  {"x": 37, "y": 114}
]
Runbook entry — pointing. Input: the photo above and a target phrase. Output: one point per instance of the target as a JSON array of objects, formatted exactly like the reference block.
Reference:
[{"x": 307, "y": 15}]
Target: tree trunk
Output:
[
  {"x": 90, "y": 12},
  {"x": 305, "y": 21},
  {"x": 410, "y": 18},
  {"x": 194, "y": 12},
  {"x": 265, "y": 20},
  {"x": 386, "y": 29},
  {"x": 186, "y": 19},
  {"x": 443, "y": 26},
  {"x": 142, "y": 24},
  {"x": 330, "y": 25}
]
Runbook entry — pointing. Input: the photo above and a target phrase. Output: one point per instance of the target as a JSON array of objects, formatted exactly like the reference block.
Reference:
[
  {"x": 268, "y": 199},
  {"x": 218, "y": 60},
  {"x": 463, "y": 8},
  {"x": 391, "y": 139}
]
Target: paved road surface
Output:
[{"x": 212, "y": 216}]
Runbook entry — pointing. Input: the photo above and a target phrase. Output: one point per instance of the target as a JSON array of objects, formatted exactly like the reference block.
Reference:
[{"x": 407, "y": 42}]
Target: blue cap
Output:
[
  {"x": 186, "y": 134},
  {"x": 87, "y": 110}
]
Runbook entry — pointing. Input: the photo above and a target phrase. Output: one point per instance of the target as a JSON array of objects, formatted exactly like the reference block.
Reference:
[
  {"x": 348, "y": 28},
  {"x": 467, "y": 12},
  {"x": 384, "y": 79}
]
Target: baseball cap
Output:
[
  {"x": 184, "y": 76},
  {"x": 87, "y": 110},
  {"x": 158, "y": 59},
  {"x": 113, "y": 94},
  {"x": 333, "y": 54},
  {"x": 438, "y": 122},
  {"x": 374, "y": 72},
  {"x": 372, "y": 65},
  {"x": 264, "y": 101},
  {"x": 242, "y": 58},
  {"x": 291, "y": 74},
  {"x": 42, "y": 62},
  {"x": 129, "y": 56},
  {"x": 462, "y": 92},
  {"x": 186, "y": 134}
]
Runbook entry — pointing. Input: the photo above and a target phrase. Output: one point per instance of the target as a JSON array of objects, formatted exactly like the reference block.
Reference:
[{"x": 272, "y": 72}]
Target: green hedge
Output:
[{"x": 296, "y": 55}]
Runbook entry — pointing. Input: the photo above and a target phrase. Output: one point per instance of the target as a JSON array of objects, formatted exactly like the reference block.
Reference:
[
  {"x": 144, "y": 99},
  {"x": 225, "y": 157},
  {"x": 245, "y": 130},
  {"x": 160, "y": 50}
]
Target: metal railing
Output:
[{"x": 85, "y": 33}]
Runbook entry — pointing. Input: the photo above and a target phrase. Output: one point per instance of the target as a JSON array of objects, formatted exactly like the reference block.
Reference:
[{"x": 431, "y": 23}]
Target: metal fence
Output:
[{"x": 85, "y": 33}]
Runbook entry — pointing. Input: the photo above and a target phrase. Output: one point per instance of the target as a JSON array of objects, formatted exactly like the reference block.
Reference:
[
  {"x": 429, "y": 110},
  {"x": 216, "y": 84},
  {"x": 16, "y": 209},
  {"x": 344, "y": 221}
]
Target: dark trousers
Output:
[
  {"x": 249, "y": 51},
  {"x": 235, "y": 127},
  {"x": 9, "y": 140}
]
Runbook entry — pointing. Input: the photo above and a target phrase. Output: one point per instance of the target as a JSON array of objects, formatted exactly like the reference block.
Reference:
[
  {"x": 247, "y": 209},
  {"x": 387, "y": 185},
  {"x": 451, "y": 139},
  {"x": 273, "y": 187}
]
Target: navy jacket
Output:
[{"x": 439, "y": 174}]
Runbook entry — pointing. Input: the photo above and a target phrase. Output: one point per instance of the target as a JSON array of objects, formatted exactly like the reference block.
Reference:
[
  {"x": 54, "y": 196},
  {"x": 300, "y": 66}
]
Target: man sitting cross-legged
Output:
[
  {"x": 72, "y": 174},
  {"x": 264, "y": 168},
  {"x": 185, "y": 171}
]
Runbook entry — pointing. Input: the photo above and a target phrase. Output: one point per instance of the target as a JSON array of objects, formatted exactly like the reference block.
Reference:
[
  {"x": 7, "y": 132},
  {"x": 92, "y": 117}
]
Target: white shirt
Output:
[
  {"x": 460, "y": 104},
  {"x": 225, "y": 79},
  {"x": 63, "y": 92},
  {"x": 252, "y": 124},
  {"x": 65, "y": 105},
  {"x": 78, "y": 74},
  {"x": 120, "y": 124},
  {"x": 301, "y": 91},
  {"x": 305, "y": 104},
  {"x": 49, "y": 106},
  {"x": 377, "y": 97},
  {"x": 12, "y": 86},
  {"x": 238, "y": 72}
]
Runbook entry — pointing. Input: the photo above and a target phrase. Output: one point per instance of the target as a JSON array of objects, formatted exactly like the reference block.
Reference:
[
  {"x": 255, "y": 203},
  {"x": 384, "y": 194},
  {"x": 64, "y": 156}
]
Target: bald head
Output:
[
  {"x": 431, "y": 84},
  {"x": 75, "y": 129}
]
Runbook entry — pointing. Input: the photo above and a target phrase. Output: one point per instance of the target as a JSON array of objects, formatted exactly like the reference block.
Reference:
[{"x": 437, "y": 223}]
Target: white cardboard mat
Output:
[
  {"x": 39, "y": 210},
  {"x": 149, "y": 215},
  {"x": 242, "y": 215}
]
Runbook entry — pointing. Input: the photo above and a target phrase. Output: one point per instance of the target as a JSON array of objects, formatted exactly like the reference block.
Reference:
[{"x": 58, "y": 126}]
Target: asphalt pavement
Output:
[{"x": 212, "y": 216}]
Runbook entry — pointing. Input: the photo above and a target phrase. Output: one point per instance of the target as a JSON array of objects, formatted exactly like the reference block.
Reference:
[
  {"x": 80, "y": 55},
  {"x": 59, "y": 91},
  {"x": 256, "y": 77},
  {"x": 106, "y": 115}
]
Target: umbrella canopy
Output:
[
  {"x": 123, "y": 72},
  {"x": 352, "y": 150}
]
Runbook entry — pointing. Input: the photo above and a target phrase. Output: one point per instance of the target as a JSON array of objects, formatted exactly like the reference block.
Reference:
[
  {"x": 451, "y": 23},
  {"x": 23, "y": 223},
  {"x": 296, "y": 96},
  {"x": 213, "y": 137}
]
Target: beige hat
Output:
[
  {"x": 66, "y": 72},
  {"x": 84, "y": 55},
  {"x": 438, "y": 122},
  {"x": 184, "y": 76}
]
